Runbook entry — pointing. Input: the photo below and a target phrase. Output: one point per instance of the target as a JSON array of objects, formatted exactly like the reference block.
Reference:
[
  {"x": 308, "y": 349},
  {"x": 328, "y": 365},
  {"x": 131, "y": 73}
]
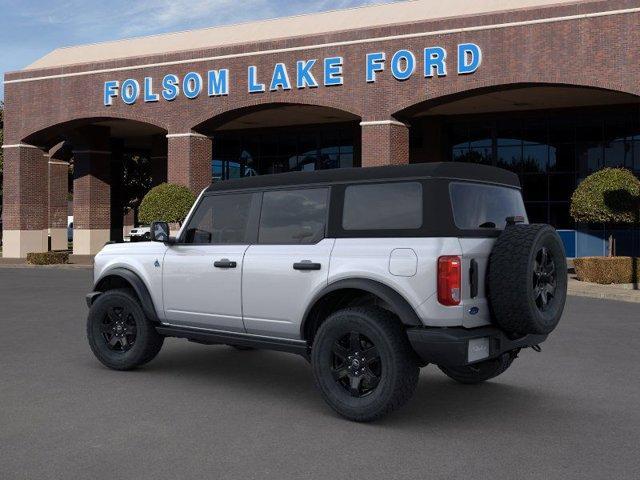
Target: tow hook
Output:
[{"x": 536, "y": 348}]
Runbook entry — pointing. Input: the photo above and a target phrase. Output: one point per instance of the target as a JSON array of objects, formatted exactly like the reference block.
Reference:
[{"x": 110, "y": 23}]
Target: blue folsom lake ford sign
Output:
[{"x": 311, "y": 73}]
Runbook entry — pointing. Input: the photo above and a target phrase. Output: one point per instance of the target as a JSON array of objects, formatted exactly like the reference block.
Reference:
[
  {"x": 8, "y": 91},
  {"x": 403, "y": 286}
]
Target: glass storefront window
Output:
[
  {"x": 551, "y": 151},
  {"x": 259, "y": 151}
]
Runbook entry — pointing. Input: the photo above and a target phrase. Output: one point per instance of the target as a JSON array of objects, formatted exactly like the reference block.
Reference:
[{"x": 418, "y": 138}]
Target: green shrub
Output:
[
  {"x": 166, "y": 202},
  {"x": 607, "y": 196},
  {"x": 48, "y": 258},
  {"x": 607, "y": 270}
]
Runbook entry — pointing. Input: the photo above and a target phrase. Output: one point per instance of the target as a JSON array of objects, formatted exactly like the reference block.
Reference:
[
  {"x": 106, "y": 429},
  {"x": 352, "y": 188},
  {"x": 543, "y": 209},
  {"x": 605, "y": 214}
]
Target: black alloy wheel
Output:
[
  {"x": 119, "y": 329},
  {"x": 527, "y": 279},
  {"x": 363, "y": 363},
  {"x": 544, "y": 279},
  {"x": 119, "y": 333},
  {"x": 356, "y": 365}
]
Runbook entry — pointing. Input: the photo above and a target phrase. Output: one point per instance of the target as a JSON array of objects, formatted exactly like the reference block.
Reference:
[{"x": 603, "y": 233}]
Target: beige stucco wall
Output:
[{"x": 17, "y": 243}]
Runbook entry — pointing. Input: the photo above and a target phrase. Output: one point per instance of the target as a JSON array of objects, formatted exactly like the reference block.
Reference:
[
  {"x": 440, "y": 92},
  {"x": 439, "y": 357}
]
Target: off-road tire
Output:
[
  {"x": 512, "y": 279},
  {"x": 479, "y": 372},
  {"x": 397, "y": 362},
  {"x": 148, "y": 341}
]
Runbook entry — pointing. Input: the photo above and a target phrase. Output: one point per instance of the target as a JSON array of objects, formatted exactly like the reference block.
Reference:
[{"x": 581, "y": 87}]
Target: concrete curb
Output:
[
  {"x": 67, "y": 266},
  {"x": 621, "y": 293}
]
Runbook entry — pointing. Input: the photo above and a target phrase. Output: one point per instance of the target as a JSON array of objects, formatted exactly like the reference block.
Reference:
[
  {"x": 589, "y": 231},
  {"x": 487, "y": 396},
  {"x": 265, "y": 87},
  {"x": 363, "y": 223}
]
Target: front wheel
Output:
[
  {"x": 119, "y": 333},
  {"x": 363, "y": 363},
  {"x": 480, "y": 372}
]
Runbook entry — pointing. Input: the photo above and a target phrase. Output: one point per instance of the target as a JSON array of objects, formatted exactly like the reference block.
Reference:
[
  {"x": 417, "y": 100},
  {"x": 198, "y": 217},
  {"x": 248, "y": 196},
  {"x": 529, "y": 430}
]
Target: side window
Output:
[
  {"x": 383, "y": 206},
  {"x": 293, "y": 216},
  {"x": 219, "y": 220}
]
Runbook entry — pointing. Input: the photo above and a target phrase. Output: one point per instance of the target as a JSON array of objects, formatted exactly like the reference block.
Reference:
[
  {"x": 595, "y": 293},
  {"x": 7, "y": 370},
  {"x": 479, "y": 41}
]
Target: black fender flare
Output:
[
  {"x": 136, "y": 283},
  {"x": 397, "y": 302}
]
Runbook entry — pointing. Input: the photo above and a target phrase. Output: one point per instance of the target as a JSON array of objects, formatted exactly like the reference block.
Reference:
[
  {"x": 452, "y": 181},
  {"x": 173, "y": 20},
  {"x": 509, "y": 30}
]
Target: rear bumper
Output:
[{"x": 454, "y": 347}]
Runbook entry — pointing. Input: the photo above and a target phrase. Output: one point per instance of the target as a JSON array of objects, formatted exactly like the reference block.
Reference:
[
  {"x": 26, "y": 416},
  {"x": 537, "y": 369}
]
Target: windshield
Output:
[{"x": 477, "y": 206}]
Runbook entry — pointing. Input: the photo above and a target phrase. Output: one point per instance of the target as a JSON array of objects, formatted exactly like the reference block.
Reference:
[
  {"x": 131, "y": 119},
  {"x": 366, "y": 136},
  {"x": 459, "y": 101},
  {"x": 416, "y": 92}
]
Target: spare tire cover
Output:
[{"x": 527, "y": 279}]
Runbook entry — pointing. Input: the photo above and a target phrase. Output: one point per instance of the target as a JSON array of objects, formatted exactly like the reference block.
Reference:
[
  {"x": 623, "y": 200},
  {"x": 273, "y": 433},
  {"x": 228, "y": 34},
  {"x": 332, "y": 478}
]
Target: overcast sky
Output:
[{"x": 31, "y": 28}]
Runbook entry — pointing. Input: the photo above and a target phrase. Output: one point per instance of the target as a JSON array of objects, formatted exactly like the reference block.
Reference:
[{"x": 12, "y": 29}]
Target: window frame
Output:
[
  {"x": 356, "y": 185},
  {"x": 251, "y": 235},
  {"x": 328, "y": 190},
  {"x": 337, "y": 212},
  {"x": 453, "y": 183}
]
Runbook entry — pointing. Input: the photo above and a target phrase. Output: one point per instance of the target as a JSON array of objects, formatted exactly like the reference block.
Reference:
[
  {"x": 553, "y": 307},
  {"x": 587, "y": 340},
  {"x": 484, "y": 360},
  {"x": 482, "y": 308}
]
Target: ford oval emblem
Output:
[{"x": 474, "y": 311}]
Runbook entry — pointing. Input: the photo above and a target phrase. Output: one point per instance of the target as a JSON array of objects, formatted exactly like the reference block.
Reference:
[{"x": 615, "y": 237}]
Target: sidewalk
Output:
[
  {"x": 622, "y": 292},
  {"x": 75, "y": 261}
]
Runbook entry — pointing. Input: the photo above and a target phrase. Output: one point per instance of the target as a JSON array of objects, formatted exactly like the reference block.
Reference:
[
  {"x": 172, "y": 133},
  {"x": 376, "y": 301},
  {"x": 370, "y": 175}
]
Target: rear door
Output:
[
  {"x": 290, "y": 262},
  {"x": 476, "y": 208},
  {"x": 202, "y": 274}
]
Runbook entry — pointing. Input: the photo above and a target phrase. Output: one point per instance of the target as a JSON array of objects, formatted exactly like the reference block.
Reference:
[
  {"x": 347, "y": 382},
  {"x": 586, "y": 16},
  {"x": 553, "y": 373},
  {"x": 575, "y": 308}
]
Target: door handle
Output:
[
  {"x": 225, "y": 263},
  {"x": 306, "y": 265}
]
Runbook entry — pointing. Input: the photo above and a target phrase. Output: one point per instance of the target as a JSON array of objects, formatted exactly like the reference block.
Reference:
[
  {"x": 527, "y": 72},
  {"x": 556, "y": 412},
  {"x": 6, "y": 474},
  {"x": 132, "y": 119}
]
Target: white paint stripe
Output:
[
  {"x": 333, "y": 44},
  {"x": 383, "y": 122},
  {"x": 191, "y": 134},
  {"x": 20, "y": 145}
]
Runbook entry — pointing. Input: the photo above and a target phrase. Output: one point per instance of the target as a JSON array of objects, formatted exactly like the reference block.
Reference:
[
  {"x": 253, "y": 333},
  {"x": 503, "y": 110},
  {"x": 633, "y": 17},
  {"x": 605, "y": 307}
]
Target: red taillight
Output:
[{"x": 449, "y": 280}]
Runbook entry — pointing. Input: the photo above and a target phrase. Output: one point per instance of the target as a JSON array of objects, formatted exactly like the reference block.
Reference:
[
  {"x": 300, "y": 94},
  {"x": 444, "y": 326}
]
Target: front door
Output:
[
  {"x": 290, "y": 262},
  {"x": 202, "y": 274}
]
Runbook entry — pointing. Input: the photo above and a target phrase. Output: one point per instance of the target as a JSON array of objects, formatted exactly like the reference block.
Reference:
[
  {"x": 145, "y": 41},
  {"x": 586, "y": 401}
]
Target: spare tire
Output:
[{"x": 527, "y": 279}]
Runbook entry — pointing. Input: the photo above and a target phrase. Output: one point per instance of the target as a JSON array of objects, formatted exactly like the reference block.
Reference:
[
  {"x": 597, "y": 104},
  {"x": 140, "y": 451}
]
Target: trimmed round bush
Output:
[
  {"x": 607, "y": 196},
  {"x": 167, "y": 202}
]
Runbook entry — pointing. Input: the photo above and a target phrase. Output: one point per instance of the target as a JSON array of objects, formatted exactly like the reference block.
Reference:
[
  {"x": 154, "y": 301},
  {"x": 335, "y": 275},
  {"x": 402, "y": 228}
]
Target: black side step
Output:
[{"x": 214, "y": 337}]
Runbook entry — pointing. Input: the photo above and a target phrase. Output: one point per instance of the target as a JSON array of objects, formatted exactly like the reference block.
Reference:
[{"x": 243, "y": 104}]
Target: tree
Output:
[
  {"x": 609, "y": 196},
  {"x": 166, "y": 202},
  {"x": 136, "y": 182}
]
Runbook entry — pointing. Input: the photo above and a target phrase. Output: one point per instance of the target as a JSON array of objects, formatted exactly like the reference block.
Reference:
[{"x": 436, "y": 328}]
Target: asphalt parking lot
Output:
[{"x": 214, "y": 412}]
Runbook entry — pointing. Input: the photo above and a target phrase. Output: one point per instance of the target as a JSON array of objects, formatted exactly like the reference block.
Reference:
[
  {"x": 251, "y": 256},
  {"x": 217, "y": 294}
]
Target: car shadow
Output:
[{"x": 287, "y": 379}]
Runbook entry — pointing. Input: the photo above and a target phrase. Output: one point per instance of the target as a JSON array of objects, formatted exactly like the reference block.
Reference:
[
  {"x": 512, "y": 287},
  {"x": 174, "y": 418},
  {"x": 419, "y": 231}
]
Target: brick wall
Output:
[
  {"x": 590, "y": 52},
  {"x": 25, "y": 189}
]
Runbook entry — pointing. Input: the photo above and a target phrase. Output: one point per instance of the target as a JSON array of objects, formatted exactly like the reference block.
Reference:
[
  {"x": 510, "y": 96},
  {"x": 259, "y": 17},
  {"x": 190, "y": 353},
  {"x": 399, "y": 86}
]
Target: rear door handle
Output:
[
  {"x": 225, "y": 263},
  {"x": 306, "y": 265}
]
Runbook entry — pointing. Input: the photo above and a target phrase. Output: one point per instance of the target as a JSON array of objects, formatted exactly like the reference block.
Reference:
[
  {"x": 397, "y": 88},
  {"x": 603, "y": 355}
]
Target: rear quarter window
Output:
[
  {"x": 383, "y": 206},
  {"x": 477, "y": 206}
]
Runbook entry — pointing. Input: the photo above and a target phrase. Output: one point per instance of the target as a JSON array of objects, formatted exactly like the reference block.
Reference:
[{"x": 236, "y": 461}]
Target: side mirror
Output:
[{"x": 160, "y": 232}]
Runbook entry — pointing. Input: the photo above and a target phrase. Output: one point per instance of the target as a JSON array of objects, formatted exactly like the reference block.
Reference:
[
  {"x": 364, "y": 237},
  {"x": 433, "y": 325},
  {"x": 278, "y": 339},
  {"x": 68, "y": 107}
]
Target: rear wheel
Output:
[
  {"x": 363, "y": 363},
  {"x": 480, "y": 372},
  {"x": 119, "y": 333}
]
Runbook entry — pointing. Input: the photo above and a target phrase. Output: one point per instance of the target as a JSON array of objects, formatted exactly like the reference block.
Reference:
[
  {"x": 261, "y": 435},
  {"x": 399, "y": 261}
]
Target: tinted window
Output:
[
  {"x": 484, "y": 206},
  {"x": 220, "y": 219},
  {"x": 385, "y": 206},
  {"x": 293, "y": 216}
]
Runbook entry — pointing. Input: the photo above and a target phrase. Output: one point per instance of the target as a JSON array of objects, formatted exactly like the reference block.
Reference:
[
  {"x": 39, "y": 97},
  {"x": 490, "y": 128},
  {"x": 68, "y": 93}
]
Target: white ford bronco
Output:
[{"x": 370, "y": 274}]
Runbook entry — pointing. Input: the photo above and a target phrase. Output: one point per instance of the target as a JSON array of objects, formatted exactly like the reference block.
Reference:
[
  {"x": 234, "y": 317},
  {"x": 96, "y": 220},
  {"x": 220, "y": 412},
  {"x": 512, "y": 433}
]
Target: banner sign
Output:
[{"x": 310, "y": 73}]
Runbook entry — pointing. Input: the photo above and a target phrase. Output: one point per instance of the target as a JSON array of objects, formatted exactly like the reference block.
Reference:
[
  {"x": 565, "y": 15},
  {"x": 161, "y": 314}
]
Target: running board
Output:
[{"x": 216, "y": 337}]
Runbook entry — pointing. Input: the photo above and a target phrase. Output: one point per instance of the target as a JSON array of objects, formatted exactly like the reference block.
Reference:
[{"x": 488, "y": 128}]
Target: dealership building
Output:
[{"x": 545, "y": 88}]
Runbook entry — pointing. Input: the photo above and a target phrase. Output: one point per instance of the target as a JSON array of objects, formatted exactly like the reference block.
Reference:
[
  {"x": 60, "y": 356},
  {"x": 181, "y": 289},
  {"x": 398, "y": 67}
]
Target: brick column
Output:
[
  {"x": 24, "y": 200},
  {"x": 384, "y": 143},
  {"x": 158, "y": 160},
  {"x": 91, "y": 200},
  {"x": 58, "y": 190},
  {"x": 189, "y": 160},
  {"x": 91, "y": 190}
]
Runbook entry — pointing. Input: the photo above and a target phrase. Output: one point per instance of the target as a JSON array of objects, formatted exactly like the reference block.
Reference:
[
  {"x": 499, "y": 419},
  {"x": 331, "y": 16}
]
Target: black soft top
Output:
[{"x": 448, "y": 170}]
